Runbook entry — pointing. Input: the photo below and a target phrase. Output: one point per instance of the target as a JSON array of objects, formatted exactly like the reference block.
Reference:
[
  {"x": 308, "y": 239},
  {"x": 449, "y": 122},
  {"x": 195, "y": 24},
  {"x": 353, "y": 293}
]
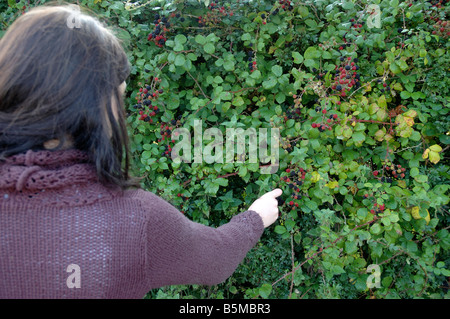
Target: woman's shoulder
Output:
[{"x": 148, "y": 200}]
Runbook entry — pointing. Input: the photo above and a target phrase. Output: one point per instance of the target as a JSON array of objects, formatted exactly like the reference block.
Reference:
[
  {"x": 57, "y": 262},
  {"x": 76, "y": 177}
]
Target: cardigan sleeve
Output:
[{"x": 180, "y": 251}]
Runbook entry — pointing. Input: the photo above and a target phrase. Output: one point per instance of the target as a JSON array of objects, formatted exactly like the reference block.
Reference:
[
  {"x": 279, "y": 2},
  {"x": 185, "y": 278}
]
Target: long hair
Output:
[{"x": 60, "y": 72}]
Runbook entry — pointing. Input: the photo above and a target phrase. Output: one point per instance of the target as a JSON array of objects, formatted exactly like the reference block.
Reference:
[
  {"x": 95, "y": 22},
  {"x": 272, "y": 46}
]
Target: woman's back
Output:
[{"x": 64, "y": 235}]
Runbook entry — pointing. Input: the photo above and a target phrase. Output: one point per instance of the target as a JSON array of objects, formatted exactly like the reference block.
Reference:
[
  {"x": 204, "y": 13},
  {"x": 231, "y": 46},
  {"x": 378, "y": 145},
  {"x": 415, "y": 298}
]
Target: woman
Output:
[{"x": 73, "y": 223}]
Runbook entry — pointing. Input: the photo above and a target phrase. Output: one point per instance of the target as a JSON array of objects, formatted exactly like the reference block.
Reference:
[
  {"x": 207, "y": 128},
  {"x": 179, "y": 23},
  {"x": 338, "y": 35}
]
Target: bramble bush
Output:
[{"x": 360, "y": 93}]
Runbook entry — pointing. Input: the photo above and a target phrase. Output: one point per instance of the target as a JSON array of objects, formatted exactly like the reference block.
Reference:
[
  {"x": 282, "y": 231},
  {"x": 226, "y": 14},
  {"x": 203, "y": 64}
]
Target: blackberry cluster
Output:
[
  {"x": 284, "y": 5},
  {"x": 252, "y": 65},
  {"x": 390, "y": 173},
  {"x": 158, "y": 36},
  {"x": 147, "y": 99},
  {"x": 214, "y": 16},
  {"x": 294, "y": 180},
  {"x": 327, "y": 122},
  {"x": 293, "y": 114},
  {"x": 376, "y": 208},
  {"x": 346, "y": 76}
]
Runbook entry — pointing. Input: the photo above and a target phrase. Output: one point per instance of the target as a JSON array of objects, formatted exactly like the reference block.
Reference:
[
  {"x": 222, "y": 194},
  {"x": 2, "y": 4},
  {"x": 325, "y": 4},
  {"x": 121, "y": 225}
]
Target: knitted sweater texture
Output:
[{"x": 64, "y": 235}]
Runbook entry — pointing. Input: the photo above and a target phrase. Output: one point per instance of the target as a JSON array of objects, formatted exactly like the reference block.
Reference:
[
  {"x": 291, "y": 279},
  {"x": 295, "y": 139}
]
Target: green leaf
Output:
[
  {"x": 180, "y": 38},
  {"x": 228, "y": 65},
  {"x": 348, "y": 5},
  {"x": 402, "y": 64},
  {"x": 269, "y": 83},
  {"x": 277, "y": 70},
  {"x": 311, "y": 53},
  {"x": 179, "y": 60},
  {"x": 297, "y": 57},
  {"x": 375, "y": 229},
  {"x": 359, "y": 137},
  {"x": 405, "y": 95},
  {"x": 394, "y": 68},
  {"x": 393, "y": 3},
  {"x": 280, "y": 229},
  {"x": 200, "y": 39},
  {"x": 265, "y": 290},
  {"x": 209, "y": 48},
  {"x": 246, "y": 37},
  {"x": 278, "y": 110}
]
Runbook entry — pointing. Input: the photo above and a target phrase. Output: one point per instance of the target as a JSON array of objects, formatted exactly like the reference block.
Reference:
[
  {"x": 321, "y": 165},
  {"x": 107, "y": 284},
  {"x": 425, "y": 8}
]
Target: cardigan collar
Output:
[{"x": 45, "y": 169}]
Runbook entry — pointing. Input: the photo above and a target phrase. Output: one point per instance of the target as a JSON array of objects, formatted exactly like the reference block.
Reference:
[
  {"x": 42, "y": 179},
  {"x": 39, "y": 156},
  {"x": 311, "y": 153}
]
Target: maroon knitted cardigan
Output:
[{"x": 54, "y": 213}]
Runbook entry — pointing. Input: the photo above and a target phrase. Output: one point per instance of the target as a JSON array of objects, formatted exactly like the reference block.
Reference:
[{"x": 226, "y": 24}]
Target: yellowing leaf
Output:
[
  {"x": 409, "y": 121},
  {"x": 332, "y": 184},
  {"x": 410, "y": 113},
  {"x": 425, "y": 154},
  {"x": 427, "y": 219},
  {"x": 432, "y": 153},
  {"x": 382, "y": 102},
  {"x": 415, "y": 212},
  {"x": 434, "y": 157},
  {"x": 315, "y": 177},
  {"x": 416, "y": 215},
  {"x": 379, "y": 135},
  {"x": 436, "y": 148},
  {"x": 401, "y": 183}
]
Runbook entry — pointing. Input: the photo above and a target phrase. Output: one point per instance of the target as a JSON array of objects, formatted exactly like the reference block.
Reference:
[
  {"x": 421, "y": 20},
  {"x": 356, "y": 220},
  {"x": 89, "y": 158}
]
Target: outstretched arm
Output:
[{"x": 180, "y": 251}]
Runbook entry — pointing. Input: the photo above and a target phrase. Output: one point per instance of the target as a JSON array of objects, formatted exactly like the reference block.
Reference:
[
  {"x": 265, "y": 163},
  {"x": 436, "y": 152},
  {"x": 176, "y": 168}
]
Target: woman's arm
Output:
[{"x": 180, "y": 251}]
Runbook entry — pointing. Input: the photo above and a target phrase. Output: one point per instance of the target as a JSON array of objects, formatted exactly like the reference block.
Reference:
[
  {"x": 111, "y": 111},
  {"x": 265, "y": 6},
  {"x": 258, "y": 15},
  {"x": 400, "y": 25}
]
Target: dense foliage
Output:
[{"x": 359, "y": 91}]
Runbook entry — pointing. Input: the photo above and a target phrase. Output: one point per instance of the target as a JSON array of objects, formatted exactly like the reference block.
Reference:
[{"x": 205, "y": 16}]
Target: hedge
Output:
[{"x": 359, "y": 93}]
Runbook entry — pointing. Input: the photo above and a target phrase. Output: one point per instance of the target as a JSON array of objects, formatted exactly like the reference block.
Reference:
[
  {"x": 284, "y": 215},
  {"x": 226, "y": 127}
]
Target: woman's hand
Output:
[{"x": 267, "y": 207}]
